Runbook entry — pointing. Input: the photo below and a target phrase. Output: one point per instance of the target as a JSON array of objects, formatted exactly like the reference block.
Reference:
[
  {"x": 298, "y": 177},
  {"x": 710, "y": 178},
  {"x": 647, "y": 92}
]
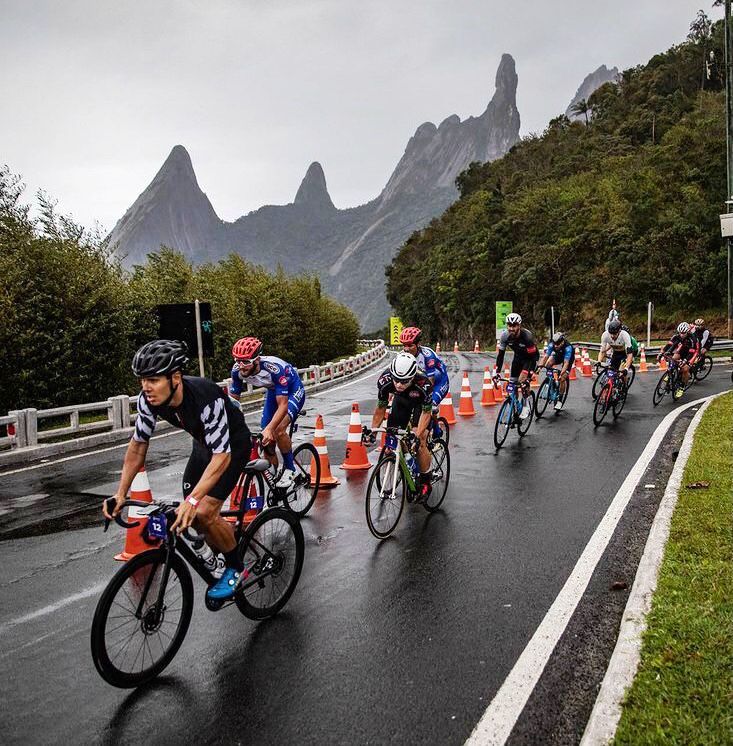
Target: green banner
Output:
[
  {"x": 503, "y": 307},
  {"x": 395, "y": 329}
]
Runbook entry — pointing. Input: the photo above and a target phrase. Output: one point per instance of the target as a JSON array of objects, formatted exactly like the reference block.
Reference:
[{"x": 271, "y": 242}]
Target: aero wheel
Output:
[
  {"x": 543, "y": 397},
  {"x": 136, "y": 630},
  {"x": 598, "y": 384},
  {"x": 702, "y": 370},
  {"x": 302, "y": 494},
  {"x": 503, "y": 423},
  {"x": 661, "y": 388},
  {"x": 439, "y": 474},
  {"x": 524, "y": 424},
  {"x": 272, "y": 550},
  {"x": 620, "y": 400},
  {"x": 384, "y": 503},
  {"x": 601, "y": 406}
]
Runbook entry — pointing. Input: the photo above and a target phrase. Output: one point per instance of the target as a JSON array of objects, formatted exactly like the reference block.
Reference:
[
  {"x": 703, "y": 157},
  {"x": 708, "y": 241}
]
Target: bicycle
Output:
[
  {"x": 300, "y": 497},
  {"x": 611, "y": 396},
  {"x": 510, "y": 410},
  {"x": 600, "y": 371},
  {"x": 702, "y": 367},
  {"x": 549, "y": 391},
  {"x": 393, "y": 481},
  {"x": 144, "y": 613},
  {"x": 670, "y": 381}
]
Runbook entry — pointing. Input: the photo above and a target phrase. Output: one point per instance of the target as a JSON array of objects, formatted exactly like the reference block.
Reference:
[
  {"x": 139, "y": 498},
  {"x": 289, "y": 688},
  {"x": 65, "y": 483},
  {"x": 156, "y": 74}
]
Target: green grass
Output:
[{"x": 683, "y": 692}]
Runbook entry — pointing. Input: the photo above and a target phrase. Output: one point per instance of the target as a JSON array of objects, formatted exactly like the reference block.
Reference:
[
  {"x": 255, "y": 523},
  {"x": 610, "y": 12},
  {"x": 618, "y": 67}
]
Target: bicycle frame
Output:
[{"x": 399, "y": 449}]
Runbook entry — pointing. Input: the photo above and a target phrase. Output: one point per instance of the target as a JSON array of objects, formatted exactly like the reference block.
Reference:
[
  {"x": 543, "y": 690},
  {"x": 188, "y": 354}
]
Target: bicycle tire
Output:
[
  {"x": 265, "y": 544},
  {"x": 436, "y": 497},
  {"x": 503, "y": 423},
  {"x": 599, "y": 383},
  {"x": 702, "y": 371},
  {"x": 543, "y": 397},
  {"x": 300, "y": 498},
  {"x": 134, "y": 569},
  {"x": 631, "y": 376},
  {"x": 567, "y": 391},
  {"x": 389, "y": 507},
  {"x": 445, "y": 427},
  {"x": 620, "y": 402},
  {"x": 662, "y": 388},
  {"x": 524, "y": 424},
  {"x": 600, "y": 408}
]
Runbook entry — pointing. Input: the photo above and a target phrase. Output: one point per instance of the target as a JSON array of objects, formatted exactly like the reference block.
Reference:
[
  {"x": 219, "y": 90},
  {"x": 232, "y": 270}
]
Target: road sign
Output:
[
  {"x": 503, "y": 307},
  {"x": 395, "y": 329}
]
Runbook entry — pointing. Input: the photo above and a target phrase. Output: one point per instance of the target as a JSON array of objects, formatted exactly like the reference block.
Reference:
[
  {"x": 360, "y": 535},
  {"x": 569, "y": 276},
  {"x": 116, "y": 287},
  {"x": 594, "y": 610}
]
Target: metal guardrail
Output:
[
  {"x": 22, "y": 425},
  {"x": 718, "y": 345}
]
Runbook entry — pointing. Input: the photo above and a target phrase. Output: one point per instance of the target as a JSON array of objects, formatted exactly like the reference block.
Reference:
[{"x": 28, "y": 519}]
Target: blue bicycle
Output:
[
  {"x": 549, "y": 391},
  {"x": 510, "y": 413}
]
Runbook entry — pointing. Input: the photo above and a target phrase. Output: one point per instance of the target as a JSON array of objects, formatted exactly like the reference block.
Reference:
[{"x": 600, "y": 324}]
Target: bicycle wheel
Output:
[
  {"x": 543, "y": 397},
  {"x": 661, "y": 388},
  {"x": 301, "y": 496},
  {"x": 601, "y": 406},
  {"x": 133, "y": 639},
  {"x": 598, "y": 384},
  {"x": 567, "y": 391},
  {"x": 620, "y": 401},
  {"x": 439, "y": 474},
  {"x": 702, "y": 370},
  {"x": 384, "y": 504},
  {"x": 631, "y": 376},
  {"x": 272, "y": 551},
  {"x": 503, "y": 423},
  {"x": 445, "y": 427},
  {"x": 524, "y": 424}
]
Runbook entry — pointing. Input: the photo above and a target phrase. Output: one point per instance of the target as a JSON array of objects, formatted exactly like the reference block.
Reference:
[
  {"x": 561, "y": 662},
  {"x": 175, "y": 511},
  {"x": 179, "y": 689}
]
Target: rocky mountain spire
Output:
[
  {"x": 313, "y": 192},
  {"x": 591, "y": 83}
]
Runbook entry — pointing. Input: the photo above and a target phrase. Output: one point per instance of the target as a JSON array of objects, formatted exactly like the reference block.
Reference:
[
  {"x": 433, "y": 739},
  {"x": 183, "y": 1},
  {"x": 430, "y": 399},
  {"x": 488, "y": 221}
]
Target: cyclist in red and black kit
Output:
[
  {"x": 412, "y": 401},
  {"x": 704, "y": 337},
  {"x": 684, "y": 347},
  {"x": 526, "y": 354},
  {"x": 221, "y": 448}
]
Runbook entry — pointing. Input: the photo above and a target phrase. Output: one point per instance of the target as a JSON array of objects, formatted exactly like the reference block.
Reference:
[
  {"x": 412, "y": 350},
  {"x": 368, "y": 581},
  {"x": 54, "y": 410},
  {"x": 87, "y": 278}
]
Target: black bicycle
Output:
[
  {"x": 670, "y": 381},
  {"x": 600, "y": 380},
  {"x": 612, "y": 396},
  {"x": 702, "y": 367},
  {"x": 144, "y": 612}
]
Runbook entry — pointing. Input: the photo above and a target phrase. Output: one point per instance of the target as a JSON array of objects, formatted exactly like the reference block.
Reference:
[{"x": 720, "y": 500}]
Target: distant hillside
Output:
[
  {"x": 626, "y": 207},
  {"x": 347, "y": 248}
]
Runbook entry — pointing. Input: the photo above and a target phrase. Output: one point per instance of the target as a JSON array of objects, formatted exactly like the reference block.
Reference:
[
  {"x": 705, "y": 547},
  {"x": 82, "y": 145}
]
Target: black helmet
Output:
[
  {"x": 161, "y": 357},
  {"x": 614, "y": 327}
]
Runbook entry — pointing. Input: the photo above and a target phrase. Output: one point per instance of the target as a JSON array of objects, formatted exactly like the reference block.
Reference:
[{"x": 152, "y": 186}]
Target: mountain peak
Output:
[
  {"x": 313, "y": 192},
  {"x": 177, "y": 163},
  {"x": 591, "y": 83}
]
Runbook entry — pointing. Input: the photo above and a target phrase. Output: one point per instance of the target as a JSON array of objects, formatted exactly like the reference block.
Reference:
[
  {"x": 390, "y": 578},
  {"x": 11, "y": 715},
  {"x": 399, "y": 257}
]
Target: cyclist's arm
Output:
[
  {"x": 500, "y": 358},
  {"x": 546, "y": 356},
  {"x": 602, "y": 352},
  {"x": 235, "y": 388},
  {"x": 379, "y": 414},
  {"x": 423, "y": 422}
]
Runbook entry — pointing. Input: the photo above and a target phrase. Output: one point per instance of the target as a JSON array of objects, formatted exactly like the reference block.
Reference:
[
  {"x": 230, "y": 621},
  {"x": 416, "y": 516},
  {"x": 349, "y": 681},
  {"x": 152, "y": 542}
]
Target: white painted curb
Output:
[{"x": 624, "y": 661}]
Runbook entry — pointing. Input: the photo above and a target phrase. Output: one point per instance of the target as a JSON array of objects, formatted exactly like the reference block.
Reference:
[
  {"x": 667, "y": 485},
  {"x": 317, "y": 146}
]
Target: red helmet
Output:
[
  {"x": 247, "y": 348},
  {"x": 410, "y": 335}
]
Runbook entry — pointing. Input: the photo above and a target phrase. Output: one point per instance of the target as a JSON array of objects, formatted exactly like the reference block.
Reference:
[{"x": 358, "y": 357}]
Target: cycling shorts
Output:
[
  {"x": 617, "y": 358},
  {"x": 403, "y": 411},
  {"x": 199, "y": 460},
  {"x": 296, "y": 400},
  {"x": 551, "y": 362},
  {"x": 520, "y": 364}
]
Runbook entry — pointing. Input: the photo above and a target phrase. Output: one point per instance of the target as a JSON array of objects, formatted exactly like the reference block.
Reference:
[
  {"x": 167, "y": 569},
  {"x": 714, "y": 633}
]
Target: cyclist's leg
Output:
[
  {"x": 296, "y": 400},
  {"x": 268, "y": 412}
]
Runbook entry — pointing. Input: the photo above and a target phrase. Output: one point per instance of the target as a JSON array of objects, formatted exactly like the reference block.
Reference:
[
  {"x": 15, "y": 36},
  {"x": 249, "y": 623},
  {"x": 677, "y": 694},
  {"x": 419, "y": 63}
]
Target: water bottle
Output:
[
  {"x": 410, "y": 459},
  {"x": 214, "y": 564}
]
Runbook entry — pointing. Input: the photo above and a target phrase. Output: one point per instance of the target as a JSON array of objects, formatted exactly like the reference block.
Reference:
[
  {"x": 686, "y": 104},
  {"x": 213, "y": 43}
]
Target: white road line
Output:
[
  {"x": 624, "y": 661},
  {"x": 503, "y": 711}
]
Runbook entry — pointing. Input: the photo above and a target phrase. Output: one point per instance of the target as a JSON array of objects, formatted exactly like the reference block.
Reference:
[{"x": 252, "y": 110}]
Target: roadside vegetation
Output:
[
  {"x": 682, "y": 692},
  {"x": 71, "y": 317},
  {"x": 625, "y": 206}
]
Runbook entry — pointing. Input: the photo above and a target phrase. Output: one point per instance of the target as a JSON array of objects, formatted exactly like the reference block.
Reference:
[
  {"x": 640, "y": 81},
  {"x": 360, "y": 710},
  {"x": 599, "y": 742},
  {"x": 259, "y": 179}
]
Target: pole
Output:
[
  {"x": 729, "y": 143},
  {"x": 199, "y": 338},
  {"x": 552, "y": 321},
  {"x": 649, "y": 325}
]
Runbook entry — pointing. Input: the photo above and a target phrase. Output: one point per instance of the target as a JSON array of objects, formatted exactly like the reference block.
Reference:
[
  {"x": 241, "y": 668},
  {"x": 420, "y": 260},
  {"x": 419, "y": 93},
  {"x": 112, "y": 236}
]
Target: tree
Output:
[{"x": 581, "y": 107}]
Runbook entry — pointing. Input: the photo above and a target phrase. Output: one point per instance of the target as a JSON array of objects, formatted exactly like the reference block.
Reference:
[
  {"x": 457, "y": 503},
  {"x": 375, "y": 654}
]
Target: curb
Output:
[{"x": 625, "y": 658}]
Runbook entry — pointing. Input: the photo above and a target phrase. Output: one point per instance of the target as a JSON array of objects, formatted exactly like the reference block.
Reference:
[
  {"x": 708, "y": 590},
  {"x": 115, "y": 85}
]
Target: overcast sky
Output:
[{"x": 94, "y": 93}]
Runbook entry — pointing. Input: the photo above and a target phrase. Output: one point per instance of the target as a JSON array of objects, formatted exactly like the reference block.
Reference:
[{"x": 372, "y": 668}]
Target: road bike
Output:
[
  {"x": 611, "y": 396},
  {"x": 549, "y": 391},
  {"x": 509, "y": 412},
  {"x": 670, "y": 381},
  {"x": 394, "y": 479},
  {"x": 600, "y": 380},
  {"x": 144, "y": 612},
  {"x": 702, "y": 367}
]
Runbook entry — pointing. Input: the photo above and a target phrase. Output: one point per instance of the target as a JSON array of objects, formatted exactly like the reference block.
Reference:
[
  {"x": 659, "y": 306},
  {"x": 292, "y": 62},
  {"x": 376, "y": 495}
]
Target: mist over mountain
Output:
[{"x": 348, "y": 248}]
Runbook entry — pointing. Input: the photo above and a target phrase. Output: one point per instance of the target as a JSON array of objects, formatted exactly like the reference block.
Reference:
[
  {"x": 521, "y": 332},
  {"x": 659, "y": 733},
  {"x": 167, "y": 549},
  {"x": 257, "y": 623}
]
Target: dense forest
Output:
[
  {"x": 623, "y": 203},
  {"x": 71, "y": 317}
]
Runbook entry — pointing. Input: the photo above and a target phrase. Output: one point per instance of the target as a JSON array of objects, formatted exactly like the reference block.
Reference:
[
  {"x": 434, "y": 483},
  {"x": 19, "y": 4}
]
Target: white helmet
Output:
[
  {"x": 683, "y": 328},
  {"x": 404, "y": 367},
  {"x": 513, "y": 318}
]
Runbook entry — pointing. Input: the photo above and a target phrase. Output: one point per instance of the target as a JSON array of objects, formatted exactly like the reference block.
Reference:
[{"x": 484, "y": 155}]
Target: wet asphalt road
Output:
[{"x": 403, "y": 641}]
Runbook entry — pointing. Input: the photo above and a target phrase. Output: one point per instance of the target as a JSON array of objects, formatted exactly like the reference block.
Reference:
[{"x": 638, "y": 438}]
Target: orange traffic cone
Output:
[
  {"x": 319, "y": 441},
  {"x": 235, "y": 499},
  {"x": 356, "y": 454},
  {"x": 507, "y": 373},
  {"x": 535, "y": 381},
  {"x": 498, "y": 388},
  {"x": 446, "y": 409},
  {"x": 455, "y": 346},
  {"x": 642, "y": 362},
  {"x": 465, "y": 405},
  {"x": 476, "y": 347},
  {"x": 573, "y": 375},
  {"x": 579, "y": 361},
  {"x": 488, "y": 395},
  {"x": 663, "y": 363},
  {"x": 135, "y": 538},
  {"x": 587, "y": 367}
]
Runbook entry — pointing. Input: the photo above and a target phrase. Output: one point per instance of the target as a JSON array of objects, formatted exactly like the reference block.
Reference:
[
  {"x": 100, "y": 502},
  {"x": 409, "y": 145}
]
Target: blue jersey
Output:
[
  {"x": 565, "y": 352},
  {"x": 275, "y": 375},
  {"x": 433, "y": 366}
]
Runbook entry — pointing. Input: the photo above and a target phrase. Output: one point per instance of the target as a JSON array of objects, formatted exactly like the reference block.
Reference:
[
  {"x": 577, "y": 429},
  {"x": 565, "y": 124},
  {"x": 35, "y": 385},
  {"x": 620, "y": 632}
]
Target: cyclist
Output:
[
  {"x": 283, "y": 402},
  {"x": 704, "y": 337},
  {"x": 521, "y": 341},
  {"x": 430, "y": 363},
  {"x": 685, "y": 348},
  {"x": 559, "y": 352},
  {"x": 618, "y": 341},
  {"x": 412, "y": 400},
  {"x": 221, "y": 447}
]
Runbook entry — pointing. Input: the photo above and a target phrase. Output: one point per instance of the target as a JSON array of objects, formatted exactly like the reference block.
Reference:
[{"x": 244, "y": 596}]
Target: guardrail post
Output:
[
  {"x": 21, "y": 439},
  {"x": 120, "y": 413},
  {"x": 31, "y": 426}
]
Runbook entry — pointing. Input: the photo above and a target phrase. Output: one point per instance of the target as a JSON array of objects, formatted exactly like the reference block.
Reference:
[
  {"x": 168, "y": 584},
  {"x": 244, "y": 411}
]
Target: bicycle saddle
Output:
[{"x": 258, "y": 464}]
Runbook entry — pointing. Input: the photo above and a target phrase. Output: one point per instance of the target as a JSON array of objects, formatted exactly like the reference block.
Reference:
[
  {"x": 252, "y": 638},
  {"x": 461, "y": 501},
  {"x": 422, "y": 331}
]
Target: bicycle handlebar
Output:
[{"x": 110, "y": 502}]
